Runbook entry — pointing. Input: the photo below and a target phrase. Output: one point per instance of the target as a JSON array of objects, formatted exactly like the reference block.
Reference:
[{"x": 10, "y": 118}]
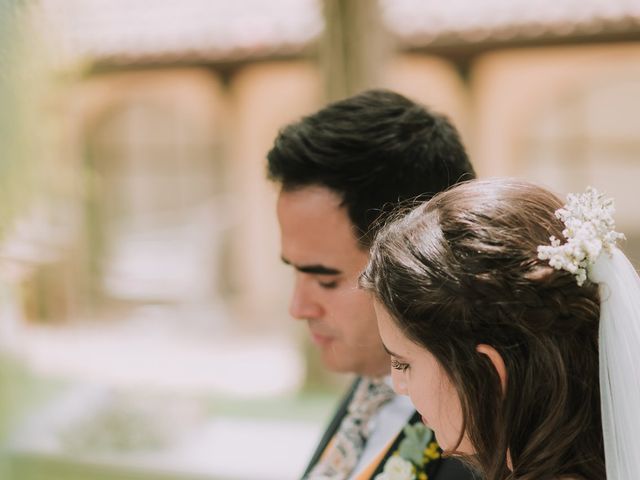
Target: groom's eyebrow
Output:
[{"x": 314, "y": 269}]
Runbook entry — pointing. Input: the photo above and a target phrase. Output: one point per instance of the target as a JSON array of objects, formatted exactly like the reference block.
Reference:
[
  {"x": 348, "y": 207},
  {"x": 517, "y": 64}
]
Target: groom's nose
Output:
[{"x": 303, "y": 305}]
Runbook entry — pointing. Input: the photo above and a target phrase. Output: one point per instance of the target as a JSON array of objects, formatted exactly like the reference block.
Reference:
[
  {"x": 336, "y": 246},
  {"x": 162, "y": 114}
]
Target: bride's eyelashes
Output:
[{"x": 396, "y": 365}]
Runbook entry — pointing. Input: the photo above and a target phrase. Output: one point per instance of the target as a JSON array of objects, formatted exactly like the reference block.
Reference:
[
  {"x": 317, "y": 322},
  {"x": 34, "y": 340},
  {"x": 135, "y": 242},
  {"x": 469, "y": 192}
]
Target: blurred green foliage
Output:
[
  {"x": 14, "y": 170},
  {"x": 303, "y": 406},
  {"x": 11, "y": 144},
  {"x": 24, "y": 79},
  {"x": 19, "y": 392}
]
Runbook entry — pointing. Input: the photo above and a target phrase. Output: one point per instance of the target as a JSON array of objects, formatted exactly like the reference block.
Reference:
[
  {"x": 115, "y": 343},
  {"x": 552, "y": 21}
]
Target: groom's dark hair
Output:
[{"x": 374, "y": 149}]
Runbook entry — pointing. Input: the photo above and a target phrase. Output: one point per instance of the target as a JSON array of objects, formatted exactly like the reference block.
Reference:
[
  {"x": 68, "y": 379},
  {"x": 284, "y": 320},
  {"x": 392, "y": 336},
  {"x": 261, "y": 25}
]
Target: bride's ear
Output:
[{"x": 497, "y": 361}]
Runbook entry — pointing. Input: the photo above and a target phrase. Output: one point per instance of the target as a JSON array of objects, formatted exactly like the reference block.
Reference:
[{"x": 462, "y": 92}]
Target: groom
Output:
[{"x": 339, "y": 171}]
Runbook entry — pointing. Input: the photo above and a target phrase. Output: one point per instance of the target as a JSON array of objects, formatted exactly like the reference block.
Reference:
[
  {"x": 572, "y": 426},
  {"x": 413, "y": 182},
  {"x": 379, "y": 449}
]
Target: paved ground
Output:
[{"x": 140, "y": 394}]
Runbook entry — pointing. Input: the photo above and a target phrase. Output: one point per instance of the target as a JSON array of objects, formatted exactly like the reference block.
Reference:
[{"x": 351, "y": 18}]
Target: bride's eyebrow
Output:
[{"x": 391, "y": 353}]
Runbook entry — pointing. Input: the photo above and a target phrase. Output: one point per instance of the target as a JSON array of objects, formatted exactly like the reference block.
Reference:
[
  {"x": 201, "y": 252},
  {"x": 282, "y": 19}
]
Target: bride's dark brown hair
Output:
[{"x": 462, "y": 270}]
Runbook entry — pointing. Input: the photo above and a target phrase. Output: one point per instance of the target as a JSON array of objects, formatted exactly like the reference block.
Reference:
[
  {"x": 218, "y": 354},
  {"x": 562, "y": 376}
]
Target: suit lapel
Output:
[
  {"x": 333, "y": 426},
  {"x": 372, "y": 469},
  {"x": 393, "y": 447},
  {"x": 440, "y": 469},
  {"x": 437, "y": 469}
]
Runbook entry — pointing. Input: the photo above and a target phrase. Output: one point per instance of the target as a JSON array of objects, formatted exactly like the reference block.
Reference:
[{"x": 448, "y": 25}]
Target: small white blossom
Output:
[
  {"x": 590, "y": 229},
  {"x": 397, "y": 468}
]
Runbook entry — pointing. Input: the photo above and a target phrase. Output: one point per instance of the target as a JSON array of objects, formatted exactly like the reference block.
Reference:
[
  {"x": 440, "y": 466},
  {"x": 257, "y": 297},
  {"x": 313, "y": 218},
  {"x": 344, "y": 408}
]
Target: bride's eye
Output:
[{"x": 396, "y": 365}]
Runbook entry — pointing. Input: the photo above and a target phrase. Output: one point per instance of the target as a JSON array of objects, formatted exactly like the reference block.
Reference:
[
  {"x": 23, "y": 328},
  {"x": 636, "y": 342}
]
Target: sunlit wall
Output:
[{"x": 143, "y": 305}]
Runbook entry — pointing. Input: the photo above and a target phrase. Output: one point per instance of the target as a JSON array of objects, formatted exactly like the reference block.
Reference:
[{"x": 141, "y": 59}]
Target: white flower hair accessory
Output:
[{"x": 588, "y": 218}]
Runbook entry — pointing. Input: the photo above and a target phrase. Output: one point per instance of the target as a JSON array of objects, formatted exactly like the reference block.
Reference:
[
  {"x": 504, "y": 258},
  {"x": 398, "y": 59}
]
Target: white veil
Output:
[
  {"x": 619, "y": 287},
  {"x": 589, "y": 248}
]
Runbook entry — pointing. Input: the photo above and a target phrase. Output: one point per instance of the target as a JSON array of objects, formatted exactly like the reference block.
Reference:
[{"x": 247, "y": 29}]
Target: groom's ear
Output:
[{"x": 497, "y": 361}]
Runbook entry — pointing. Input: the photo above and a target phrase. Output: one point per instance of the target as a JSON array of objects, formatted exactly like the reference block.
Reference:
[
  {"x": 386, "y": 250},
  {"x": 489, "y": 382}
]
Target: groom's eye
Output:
[{"x": 328, "y": 284}]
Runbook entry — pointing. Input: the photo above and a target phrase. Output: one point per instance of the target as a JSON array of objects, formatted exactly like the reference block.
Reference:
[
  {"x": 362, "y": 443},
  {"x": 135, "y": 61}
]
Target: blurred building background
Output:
[{"x": 143, "y": 308}]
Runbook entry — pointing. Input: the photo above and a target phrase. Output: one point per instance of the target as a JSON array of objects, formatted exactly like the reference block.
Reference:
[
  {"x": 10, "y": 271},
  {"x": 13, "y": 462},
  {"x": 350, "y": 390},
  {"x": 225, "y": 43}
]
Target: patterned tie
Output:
[{"x": 351, "y": 436}]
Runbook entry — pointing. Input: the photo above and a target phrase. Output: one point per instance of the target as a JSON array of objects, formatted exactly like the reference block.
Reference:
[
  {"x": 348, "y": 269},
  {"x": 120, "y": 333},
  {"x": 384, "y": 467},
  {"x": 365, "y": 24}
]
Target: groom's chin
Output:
[{"x": 335, "y": 360}]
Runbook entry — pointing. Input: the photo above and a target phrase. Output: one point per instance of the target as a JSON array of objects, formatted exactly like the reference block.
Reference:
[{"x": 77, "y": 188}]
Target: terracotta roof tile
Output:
[{"x": 139, "y": 31}]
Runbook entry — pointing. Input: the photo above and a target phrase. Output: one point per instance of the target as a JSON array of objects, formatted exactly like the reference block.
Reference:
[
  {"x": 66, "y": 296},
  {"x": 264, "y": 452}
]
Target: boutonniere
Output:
[{"x": 415, "y": 451}]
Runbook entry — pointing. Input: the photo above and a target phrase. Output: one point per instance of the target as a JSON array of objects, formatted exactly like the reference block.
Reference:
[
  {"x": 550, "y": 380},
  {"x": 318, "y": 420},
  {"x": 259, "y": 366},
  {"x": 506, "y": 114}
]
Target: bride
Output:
[{"x": 514, "y": 326}]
